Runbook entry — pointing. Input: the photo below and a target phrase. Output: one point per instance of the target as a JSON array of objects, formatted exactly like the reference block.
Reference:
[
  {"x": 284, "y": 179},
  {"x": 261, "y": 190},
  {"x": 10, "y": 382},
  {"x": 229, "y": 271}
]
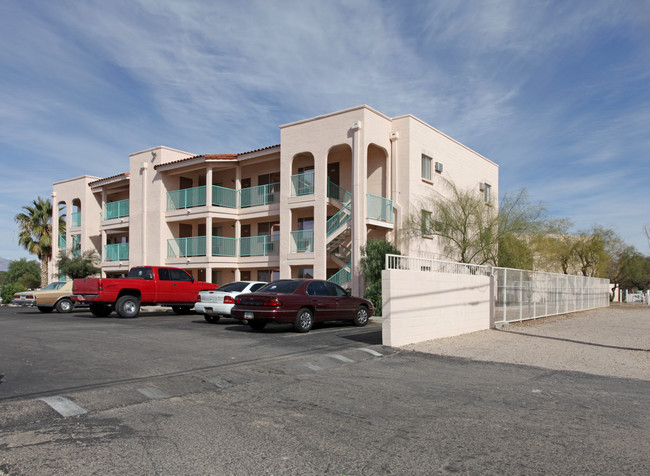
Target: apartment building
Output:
[{"x": 303, "y": 208}]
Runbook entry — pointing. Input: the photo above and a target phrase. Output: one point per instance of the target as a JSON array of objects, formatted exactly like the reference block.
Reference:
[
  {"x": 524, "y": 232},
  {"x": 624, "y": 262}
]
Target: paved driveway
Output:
[{"x": 613, "y": 341}]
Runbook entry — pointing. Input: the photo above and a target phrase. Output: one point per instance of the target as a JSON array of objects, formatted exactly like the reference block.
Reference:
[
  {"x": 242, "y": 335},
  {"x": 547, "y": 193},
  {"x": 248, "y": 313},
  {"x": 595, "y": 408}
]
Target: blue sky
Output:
[{"x": 557, "y": 93}]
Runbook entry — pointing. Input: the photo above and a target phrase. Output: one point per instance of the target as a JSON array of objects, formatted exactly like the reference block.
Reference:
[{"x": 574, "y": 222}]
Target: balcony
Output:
[
  {"x": 263, "y": 245},
  {"x": 224, "y": 246},
  {"x": 186, "y": 198},
  {"x": 380, "y": 208},
  {"x": 224, "y": 197},
  {"x": 302, "y": 241},
  {"x": 302, "y": 184},
  {"x": 118, "y": 209},
  {"x": 260, "y": 195},
  {"x": 185, "y": 247},
  {"x": 116, "y": 252}
]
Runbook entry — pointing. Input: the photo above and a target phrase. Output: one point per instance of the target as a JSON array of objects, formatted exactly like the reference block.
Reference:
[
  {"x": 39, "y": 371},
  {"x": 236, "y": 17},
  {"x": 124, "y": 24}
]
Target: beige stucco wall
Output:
[{"x": 419, "y": 306}]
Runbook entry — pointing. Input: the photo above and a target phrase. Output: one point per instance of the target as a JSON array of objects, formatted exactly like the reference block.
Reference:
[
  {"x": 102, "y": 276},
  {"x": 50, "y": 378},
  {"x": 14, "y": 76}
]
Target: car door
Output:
[
  {"x": 323, "y": 303},
  {"x": 346, "y": 306}
]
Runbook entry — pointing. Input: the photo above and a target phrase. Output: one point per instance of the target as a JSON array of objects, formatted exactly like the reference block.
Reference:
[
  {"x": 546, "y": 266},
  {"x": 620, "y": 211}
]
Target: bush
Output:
[
  {"x": 25, "y": 273},
  {"x": 8, "y": 291},
  {"x": 372, "y": 264}
]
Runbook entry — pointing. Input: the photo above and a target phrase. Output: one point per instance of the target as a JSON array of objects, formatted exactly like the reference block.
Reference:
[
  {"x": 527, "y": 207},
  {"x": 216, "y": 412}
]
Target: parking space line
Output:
[
  {"x": 313, "y": 366},
  {"x": 341, "y": 358},
  {"x": 371, "y": 352},
  {"x": 219, "y": 382},
  {"x": 64, "y": 406},
  {"x": 153, "y": 393}
]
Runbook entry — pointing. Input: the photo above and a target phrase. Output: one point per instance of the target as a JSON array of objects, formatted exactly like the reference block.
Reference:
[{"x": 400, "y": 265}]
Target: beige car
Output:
[{"x": 55, "y": 295}]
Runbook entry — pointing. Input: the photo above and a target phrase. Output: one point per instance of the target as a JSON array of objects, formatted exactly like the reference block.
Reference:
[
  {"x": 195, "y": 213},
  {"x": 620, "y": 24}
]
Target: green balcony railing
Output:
[
  {"x": 183, "y": 247},
  {"x": 62, "y": 241},
  {"x": 302, "y": 184},
  {"x": 76, "y": 219},
  {"x": 76, "y": 245},
  {"x": 263, "y": 245},
  {"x": 116, "y": 252},
  {"x": 260, "y": 195},
  {"x": 186, "y": 198},
  {"x": 338, "y": 220},
  {"x": 342, "y": 277},
  {"x": 224, "y": 246},
  {"x": 380, "y": 208},
  {"x": 116, "y": 209},
  {"x": 302, "y": 241},
  {"x": 224, "y": 197},
  {"x": 337, "y": 193}
]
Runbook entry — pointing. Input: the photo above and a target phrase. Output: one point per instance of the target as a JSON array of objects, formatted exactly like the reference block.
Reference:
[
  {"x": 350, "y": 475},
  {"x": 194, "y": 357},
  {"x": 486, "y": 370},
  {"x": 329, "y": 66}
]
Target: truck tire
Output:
[
  {"x": 100, "y": 310},
  {"x": 127, "y": 306}
]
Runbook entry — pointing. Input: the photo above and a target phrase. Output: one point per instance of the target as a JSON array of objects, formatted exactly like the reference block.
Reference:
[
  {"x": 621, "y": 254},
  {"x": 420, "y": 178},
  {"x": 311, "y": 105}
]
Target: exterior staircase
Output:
[{"x": 339, "y": 234}]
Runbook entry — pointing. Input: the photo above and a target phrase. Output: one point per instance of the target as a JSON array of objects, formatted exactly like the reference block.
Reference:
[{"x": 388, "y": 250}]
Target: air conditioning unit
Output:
[{"x": 439, "y": 167}]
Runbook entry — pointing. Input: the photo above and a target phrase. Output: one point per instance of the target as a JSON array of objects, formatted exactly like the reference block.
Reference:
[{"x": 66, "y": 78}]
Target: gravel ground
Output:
[{"x": 613, "y": 341}]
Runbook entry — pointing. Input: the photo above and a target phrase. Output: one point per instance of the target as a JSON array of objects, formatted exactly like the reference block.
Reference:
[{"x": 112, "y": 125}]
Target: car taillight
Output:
[
  {"x": 228, "y": 300},
  {"x": 274, "y": 302},
  {"x": 237, "y": 301},
  {"x": 198, "y": 298}
]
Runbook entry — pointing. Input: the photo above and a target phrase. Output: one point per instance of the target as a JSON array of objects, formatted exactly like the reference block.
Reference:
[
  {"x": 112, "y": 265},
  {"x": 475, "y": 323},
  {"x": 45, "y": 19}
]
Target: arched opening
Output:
[
  {"x": 377, "y": 171},
  {"x": 302, "y": 174}
]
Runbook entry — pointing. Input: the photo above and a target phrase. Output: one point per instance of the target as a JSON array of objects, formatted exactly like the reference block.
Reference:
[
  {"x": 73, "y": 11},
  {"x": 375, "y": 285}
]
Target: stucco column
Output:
[
  {"x": 143, "y": 172},
  {"x": 320, "y": 215},
  {"x": 358, "y": 208},
  {"x": 55, "y": 238}
]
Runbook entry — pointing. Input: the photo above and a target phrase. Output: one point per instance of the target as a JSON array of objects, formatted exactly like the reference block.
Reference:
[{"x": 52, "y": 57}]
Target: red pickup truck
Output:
[{"x": 144, "y": 285}]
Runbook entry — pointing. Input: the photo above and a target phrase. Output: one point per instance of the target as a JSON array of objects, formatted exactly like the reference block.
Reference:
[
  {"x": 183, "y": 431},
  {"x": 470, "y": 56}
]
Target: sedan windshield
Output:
[{"x": 280, "y": 287}]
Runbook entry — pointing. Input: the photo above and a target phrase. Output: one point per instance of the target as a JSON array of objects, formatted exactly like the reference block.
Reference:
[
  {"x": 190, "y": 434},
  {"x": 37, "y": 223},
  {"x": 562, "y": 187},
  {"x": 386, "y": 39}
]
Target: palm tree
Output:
[{"x": 35, "y": 232}]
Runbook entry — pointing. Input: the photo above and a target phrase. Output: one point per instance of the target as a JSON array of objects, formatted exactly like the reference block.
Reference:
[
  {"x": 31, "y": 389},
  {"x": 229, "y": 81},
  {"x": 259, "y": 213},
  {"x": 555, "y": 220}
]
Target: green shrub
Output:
[
  {"x": 8, "y": 291},
  {"x": 372, "y": 263}
]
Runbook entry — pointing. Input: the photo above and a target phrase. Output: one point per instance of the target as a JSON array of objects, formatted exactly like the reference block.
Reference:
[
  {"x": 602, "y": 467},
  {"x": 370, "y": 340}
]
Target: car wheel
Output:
[
  {"x": 63, "y": 305},
  {"x": 304, "y": 320},
  {"x": 101, "y": 310},
  {"x": 127, "y": 306},
  {"x": 211, "y": 319},
  {"x": 44, "y": 309},
  {"x": 361, "y": 319},
  {"x": 257, "y": 325},
  {"x": 182, "y": 309}
]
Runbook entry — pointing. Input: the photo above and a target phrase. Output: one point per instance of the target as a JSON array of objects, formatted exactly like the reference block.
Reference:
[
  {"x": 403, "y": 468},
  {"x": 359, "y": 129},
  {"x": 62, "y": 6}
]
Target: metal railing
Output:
[
  {"x": 260, "y": 195},
  {"x": 117, "y": 209},
  {"x": 302, "y": 241},
  {"x": 338, "y": 220},
  {"x": 342, "y": 277},
  {"x": 224, "y": 197},
  {"x": 380, "y": 208},
  {"x": 116, "y": 252},
  {"x": 184, "y": 247},
  {"x": 262, "y": 245},
  {"x": 224, "y": 246},
  {"x": 186, "y": 198},
  {"x": 337, "y": 193},
  {"x": 521, "y": 295},
  {"x": 302, "y": 184}
]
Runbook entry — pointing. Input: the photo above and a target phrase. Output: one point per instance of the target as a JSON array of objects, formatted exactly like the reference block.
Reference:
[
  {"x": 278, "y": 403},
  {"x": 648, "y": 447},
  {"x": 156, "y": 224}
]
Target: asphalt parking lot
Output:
[{"x": 167, "y": 394}]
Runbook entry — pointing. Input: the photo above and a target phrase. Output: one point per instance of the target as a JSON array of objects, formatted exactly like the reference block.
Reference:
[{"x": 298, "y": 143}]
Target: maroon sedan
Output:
[{"x": 301, "y": 302}]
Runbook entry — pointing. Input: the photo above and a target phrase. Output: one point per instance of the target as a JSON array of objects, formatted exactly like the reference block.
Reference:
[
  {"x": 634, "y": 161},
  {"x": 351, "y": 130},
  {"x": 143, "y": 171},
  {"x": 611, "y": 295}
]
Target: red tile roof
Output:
[
  {"x": 209, "y": 157},
  {"x": 125, "y": 175}
]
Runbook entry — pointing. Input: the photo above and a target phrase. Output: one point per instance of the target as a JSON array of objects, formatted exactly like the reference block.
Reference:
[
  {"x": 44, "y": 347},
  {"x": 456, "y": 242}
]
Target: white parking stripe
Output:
[
  {"x": 219, "y": 382},
  {"x": 313, "y": 366},
  {"x": 153, "y": 393},
  {"x": 371, "y": 352},
  {"x": 64, "y": 406},
  {"x": 341, "y": 358}
]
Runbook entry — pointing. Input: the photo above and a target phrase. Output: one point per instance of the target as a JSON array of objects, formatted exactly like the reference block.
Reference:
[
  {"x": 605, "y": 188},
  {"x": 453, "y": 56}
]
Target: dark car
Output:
[{"x": 301, "y": 302}]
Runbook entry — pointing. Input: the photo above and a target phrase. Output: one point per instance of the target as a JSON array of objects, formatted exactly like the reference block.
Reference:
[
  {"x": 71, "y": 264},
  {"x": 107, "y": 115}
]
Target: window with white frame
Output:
[{"x": 427, "y": 163}]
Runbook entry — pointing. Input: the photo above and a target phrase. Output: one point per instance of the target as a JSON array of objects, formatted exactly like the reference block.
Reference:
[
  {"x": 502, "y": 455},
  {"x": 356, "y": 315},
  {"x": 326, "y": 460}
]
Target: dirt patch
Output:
[{"x": 612, "y": 341}]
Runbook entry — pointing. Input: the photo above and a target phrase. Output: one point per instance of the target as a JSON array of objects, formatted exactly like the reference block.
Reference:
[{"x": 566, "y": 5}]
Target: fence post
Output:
[{"x": 492, "y": 298}]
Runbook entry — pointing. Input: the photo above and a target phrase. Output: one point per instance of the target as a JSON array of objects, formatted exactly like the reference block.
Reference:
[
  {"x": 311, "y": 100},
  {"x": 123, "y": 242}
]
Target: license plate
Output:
[{"x": 248, "y": 315}]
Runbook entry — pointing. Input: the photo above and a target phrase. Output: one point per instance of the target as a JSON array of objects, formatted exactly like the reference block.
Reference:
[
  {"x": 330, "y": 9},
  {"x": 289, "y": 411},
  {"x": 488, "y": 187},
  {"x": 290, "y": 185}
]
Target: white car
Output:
[{"x": 215, "y": 303}]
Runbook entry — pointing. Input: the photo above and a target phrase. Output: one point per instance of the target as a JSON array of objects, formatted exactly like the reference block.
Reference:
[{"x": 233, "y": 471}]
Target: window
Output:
[
  {"x": 486, "y": 188},
  {"x": 426, "y": 222},
  {"x": 317, "y": 288},
  {"x": 426, "y": 167},
  {"x": 306, "y": 273},
  {"x": 335, "y": 289},
  {"x": 179, "y": 275},
  {"x": 143, "y": 273}
]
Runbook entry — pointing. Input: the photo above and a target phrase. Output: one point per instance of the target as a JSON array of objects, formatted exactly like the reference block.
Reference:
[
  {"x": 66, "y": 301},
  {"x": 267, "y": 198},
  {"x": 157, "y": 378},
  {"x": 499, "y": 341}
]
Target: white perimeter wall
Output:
[{"x": 419, "y": 305}]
